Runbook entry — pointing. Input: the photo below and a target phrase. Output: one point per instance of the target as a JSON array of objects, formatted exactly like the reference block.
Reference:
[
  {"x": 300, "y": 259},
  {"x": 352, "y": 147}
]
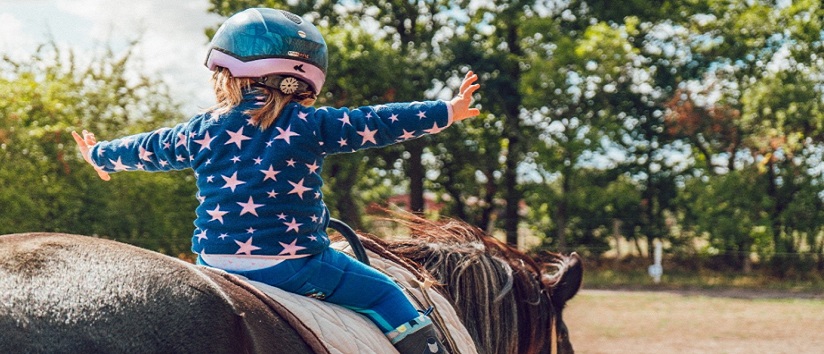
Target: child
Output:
[{"x": 258, "y": 154}]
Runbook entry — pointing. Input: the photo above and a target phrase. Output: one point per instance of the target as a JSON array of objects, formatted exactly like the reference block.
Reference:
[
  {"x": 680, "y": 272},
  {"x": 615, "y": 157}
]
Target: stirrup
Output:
[{"x": 423, "y": 341}]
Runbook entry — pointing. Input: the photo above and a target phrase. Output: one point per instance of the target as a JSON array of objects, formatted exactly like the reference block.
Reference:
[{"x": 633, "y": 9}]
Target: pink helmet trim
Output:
[{"x": 313, "y": 75}]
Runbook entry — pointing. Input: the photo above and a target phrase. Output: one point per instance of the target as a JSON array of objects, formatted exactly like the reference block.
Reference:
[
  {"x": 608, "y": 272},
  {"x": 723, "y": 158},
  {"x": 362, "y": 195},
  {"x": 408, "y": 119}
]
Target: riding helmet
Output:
[{"x": 276, "y": 47}]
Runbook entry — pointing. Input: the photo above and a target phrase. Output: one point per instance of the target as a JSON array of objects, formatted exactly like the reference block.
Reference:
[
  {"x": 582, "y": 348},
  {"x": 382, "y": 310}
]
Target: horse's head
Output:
[
  {"x": 508, "y": 302},
  {"x": 562, "y": 276}
]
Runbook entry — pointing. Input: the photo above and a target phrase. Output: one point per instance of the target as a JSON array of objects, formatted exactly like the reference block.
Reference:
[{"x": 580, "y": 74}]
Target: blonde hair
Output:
[{"x": 229, "y": 93}]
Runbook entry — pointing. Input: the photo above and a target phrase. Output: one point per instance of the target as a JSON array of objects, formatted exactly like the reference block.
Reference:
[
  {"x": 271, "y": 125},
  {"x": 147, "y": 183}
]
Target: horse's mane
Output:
[{"x": 490, "y": 283}]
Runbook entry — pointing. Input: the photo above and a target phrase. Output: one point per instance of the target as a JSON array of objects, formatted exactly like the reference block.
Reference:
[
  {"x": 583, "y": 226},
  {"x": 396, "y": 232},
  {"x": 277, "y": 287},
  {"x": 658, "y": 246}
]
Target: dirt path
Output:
[{"x": 602, "y": 321}]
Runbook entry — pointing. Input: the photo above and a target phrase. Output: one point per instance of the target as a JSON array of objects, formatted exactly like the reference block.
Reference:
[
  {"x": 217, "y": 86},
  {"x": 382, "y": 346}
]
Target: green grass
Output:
[{"x": 606, "y": 278}]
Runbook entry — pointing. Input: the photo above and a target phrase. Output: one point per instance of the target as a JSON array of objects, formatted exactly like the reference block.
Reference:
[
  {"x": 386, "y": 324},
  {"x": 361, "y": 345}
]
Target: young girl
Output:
[{"x": 258, "y": 156}]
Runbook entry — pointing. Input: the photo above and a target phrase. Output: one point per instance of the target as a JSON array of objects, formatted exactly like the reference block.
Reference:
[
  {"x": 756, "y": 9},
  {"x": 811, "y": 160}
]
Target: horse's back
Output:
[{"x": 69, "y": 293}]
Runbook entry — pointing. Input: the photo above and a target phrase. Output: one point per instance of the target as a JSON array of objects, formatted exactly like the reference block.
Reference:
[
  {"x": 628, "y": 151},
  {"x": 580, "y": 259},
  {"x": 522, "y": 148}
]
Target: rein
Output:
[{"x": 553, "y": 342}]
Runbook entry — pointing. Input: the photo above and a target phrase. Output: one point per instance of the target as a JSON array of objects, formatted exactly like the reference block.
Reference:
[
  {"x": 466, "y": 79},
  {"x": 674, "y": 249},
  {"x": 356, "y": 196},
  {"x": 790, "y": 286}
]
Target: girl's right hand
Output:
[
  {"x": 85, "y": 144},
  {"x": 460, "y": 104}
]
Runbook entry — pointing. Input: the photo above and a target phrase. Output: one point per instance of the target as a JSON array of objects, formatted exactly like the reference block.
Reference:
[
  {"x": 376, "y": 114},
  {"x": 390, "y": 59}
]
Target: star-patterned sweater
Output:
[{"x": 260, "y": 191}]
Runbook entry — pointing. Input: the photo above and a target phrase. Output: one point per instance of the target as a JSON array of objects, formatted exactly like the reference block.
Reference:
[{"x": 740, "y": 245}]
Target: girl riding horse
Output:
[{"x": 258, "y": 155}]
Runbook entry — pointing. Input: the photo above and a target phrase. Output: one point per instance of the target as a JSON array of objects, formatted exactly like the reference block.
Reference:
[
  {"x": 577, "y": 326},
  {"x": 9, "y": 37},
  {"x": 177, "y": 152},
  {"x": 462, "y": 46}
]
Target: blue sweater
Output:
[{"x": 260, "y": 191}]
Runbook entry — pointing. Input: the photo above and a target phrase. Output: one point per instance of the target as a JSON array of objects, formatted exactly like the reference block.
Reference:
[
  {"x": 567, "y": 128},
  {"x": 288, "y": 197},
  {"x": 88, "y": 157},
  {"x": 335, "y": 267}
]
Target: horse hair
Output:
[{"x": 475, "y": 269}]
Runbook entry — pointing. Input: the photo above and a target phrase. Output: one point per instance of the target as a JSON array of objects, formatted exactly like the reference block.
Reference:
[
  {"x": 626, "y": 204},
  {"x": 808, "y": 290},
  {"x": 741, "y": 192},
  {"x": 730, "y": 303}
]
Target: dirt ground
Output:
[{"x": 603, "y": 321}]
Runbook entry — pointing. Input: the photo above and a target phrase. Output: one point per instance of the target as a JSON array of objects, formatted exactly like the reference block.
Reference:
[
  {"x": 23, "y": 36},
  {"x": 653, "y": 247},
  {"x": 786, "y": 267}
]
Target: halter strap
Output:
[{"x": 553, "y": 342}]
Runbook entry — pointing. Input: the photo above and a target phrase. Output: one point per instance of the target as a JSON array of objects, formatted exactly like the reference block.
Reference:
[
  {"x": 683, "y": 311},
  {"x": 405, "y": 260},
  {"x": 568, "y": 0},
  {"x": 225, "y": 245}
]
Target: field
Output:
[{"x": 604, "y": 321}]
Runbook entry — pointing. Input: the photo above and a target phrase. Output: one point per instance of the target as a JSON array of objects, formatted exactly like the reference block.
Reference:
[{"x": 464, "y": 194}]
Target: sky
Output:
[{"x": 172, "y": 44}]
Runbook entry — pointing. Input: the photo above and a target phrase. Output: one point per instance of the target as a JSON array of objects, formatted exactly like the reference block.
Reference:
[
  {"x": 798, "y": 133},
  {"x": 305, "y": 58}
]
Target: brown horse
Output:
[{"x": 79, "y": 294}]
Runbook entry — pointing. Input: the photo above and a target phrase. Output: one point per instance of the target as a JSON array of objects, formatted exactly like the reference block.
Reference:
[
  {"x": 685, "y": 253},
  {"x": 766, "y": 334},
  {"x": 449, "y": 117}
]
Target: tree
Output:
[{"x": 48, "y": 187}]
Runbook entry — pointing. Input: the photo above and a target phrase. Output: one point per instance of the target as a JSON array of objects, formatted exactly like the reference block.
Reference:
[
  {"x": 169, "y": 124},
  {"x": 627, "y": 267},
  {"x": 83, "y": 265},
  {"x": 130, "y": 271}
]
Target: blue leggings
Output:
[{"x": 340, "y": 279}]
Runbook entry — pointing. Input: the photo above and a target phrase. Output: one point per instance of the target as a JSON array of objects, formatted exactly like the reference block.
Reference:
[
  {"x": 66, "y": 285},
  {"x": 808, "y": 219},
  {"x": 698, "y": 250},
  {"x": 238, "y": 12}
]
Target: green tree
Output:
[
  {"x": 48, "y": 187},
  {"x": 756, "y": 106}
]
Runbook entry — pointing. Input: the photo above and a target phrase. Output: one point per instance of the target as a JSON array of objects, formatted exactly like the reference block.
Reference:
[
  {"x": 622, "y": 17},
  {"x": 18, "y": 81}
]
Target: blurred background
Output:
[{"x": 605, "y": 129}]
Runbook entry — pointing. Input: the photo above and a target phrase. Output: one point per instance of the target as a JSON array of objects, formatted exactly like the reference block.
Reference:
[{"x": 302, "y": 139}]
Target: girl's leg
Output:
[
  {"x": 375, "y": 295},
  {"x": 340, "y": 279}
]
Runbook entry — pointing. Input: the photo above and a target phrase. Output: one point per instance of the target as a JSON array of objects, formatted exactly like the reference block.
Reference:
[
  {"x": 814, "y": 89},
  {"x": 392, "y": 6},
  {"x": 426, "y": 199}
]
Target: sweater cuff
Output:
[{"x": 93, "y": 153}]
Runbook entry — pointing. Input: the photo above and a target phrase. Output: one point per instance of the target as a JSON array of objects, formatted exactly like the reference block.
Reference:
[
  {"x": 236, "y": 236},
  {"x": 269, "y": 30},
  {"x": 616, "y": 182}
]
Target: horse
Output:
[{"x": 81, "y": 294}]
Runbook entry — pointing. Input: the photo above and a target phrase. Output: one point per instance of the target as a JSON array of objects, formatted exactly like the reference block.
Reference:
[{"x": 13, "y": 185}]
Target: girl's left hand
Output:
[
  {"x": 85, "y": 144},
  {"x": 460, "y": 104}
]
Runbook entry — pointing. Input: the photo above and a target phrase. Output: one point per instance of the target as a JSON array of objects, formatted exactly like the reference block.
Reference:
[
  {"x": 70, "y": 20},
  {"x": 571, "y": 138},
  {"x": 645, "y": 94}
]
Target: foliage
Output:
[
  {"x": 46, "y": 184},
  {"x": 698, "y": 123}
]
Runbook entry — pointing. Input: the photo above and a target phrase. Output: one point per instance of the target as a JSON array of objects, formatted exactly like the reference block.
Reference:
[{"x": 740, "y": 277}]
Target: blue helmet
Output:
[{"x": 277, "y": 47}]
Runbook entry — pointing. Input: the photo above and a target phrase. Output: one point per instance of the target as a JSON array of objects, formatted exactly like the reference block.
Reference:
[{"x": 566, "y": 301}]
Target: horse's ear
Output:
[{"x": 570, "y": 281}]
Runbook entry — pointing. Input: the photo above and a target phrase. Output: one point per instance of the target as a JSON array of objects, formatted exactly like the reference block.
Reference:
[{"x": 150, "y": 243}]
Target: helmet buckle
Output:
[{"x": 287, "y": 85}]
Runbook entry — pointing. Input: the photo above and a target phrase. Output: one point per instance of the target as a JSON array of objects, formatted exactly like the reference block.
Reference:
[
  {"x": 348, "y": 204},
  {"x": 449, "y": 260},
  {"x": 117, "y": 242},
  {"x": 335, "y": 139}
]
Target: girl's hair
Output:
[{"x": 229, "y": 93}]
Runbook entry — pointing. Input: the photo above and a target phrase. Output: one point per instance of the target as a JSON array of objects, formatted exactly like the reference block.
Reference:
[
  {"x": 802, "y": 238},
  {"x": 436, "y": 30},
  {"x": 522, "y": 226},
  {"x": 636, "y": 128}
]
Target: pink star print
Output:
[
  {"x": 368, "y": 136},
  {"x": 217, "y": 214},
  {"x": 286, "y": 134},
  {"x": 205, "y": 142},
  {"x": 236, "y": 137},
  {"x": 270, "y": 174},
  {"x": 118, "y": 165},
  {"x": 232, "y": 182},
  {"x": 249, "y": 207},
  {"x": 201, "y": 236},
  {"x": 126, "y": 141},
  {"x": 298, "y": 189},
  {"x": 407, "y": 135},
  {"x": 181, "y": 140},
  {"x": 313, "y": 168},
  {"x": 290, "y": 248},
  {"x": 145, "y": 154},
  {"x": 435, "y": 129},
  {"x": 345, "y": 120},
  {"x": 393, "y": 118},
  {"x": 246, "y": 247},
  {"x": 293, "y": 226}
]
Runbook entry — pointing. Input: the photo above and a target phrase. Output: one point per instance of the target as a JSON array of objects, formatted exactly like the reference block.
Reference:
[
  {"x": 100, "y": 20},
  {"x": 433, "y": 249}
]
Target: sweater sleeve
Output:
[
  {"x": 164, "y": 149},
  {"x": 347, "y": 130}
]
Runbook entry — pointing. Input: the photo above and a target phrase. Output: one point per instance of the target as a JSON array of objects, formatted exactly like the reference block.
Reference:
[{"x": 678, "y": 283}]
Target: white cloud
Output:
[
  {"x": 171, "y": 37},
  {"x": 171, "y": 40},
  {"x": 13, "y": 40}
]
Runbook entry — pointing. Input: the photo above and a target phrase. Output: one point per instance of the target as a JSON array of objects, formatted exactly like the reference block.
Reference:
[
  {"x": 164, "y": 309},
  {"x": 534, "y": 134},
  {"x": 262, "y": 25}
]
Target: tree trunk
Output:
[
  {"x": 486, "y": 222},
  {"x": 562, "y": 214},
  {"x": 416, "y": 174},
  {"x": 512, "y": 132},
  {"x": 344, "y": 175}
]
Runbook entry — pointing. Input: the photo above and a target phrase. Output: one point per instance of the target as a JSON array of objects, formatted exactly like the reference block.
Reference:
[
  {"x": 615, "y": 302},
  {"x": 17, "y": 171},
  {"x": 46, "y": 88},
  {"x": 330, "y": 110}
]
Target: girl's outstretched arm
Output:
[
  {"x": 460, "y": 104},
  {"x": 85, "y": 143}
]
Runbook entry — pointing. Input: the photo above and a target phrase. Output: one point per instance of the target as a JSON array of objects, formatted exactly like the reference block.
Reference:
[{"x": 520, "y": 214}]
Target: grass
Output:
[{"x": 633, "y": 275}]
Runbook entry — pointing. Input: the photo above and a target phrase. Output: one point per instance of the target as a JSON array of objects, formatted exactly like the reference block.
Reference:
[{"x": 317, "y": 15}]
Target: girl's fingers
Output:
[
  {"x": 103, "y": 175},
  {"x": 468, "y": 81},
  {"x": 80, "y": 141},
  {"x": 470, "y": 90},
  {"x": 89, "y": 137}
]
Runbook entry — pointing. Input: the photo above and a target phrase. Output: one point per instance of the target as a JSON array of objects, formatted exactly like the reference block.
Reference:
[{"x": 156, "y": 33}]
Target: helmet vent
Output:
[{"x": 292, "y": 17}]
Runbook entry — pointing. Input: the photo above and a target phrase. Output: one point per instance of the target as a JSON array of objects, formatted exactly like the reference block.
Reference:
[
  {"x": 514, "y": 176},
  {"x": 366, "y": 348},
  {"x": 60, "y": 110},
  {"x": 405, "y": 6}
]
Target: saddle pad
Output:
[
  {"x": 443, "y": 307},
  {"x": 344, "y": 331}
]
